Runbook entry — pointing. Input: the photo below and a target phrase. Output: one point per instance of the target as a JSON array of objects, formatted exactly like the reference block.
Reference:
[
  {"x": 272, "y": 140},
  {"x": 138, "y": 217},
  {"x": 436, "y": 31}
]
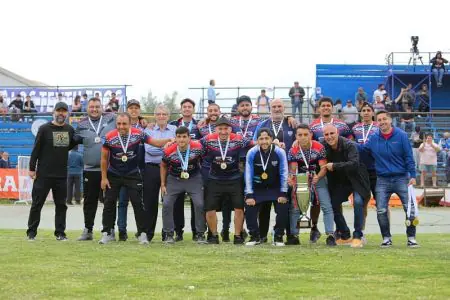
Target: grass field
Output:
[{"x": 50, "y": 269}]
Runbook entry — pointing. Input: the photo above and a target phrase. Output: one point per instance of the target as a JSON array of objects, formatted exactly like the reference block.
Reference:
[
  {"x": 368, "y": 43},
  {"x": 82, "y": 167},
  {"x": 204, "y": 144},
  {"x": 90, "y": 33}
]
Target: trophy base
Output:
[{"x": 304, "y": 223}]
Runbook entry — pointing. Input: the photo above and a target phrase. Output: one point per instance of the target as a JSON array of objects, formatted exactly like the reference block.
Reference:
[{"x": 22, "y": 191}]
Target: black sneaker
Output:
[
  {"x": 123, "y": 236},
  {"x": 331, "y": 240},
  {"x": 292, "y": 240},
  {"x": 386, "y": 244},
  {"x": 69, "y": 203},
  {"x": 278, "y": 241},
  {"x": 200, "y": 238},
  {"x": 169, "y": 239},
  {"x": 314, "y": 236},
  {"x": 244, "y": 234},
  {"x": 254, "y": 240},
  {"x": 225, "y": 236},
  {"x": 412, "y": 243},
  {"x": 31, "y": 237},
  {"x": 179, "y": 236},
  {"x": 263, "y": 240},
  {"x": 61, "y": 237},
  {"x": 163, "y": 236},
  {"x": 213, "y": 239},
  {"x": 194, "y": 236},
  {"x": 238, "y": 240}
]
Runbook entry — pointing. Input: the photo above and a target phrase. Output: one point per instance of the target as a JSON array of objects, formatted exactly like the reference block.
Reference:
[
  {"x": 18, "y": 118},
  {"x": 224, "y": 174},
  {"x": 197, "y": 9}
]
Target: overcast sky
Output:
[{"x": 174, "y": 45}]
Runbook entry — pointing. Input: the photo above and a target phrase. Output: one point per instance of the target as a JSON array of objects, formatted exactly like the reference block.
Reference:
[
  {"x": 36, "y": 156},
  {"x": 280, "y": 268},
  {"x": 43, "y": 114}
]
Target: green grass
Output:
[{"x": 50, "y": 269}]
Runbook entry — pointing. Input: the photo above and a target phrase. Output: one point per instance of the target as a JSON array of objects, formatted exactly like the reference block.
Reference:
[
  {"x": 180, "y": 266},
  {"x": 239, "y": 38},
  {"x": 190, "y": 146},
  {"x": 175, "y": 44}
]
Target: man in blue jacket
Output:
[{"x": 395, "y": 168}]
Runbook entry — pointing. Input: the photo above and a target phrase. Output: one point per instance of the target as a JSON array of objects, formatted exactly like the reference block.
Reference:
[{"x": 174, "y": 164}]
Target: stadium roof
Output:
[{"x": 8, "y": 78}]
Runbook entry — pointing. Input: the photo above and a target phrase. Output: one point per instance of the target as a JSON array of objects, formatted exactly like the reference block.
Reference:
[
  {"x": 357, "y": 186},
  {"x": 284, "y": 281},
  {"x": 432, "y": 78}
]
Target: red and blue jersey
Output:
[
  {"x": 314, "y": 157},
  {"x": 246, "y": 128},
  {"x": 173, "y": 161},
  {"x": 112, "y": 143},
  {"x": 211, "y": 147},
  {"x": 362, "y": 133},
  {"x": 317, "y": 129}
]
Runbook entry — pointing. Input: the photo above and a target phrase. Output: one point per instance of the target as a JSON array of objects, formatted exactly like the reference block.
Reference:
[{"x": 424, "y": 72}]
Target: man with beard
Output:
[
  {"x": 89, "y": 132},
  {"x": 187, "y": 120},
  {"x": 50, "y": 154},
  {"x": 325, "y": 117}
]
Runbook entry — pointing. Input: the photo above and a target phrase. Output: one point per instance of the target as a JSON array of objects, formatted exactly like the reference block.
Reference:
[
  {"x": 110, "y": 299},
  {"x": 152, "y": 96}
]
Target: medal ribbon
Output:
[
  {"x": 96, "y": 130},
  {"x": 223, "y": 153},
  {"x": 184, "y": 161},
  {"x": 125, "y": 148},
  {"x": 264, "y": 165}
]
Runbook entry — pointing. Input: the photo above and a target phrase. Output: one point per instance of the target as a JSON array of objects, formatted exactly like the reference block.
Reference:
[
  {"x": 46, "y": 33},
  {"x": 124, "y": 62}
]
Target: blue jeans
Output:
[
  {"x": 122, "y": 209},
  {"x": 297, "y": 105},
  {"x": 325, "y": 204},
  {"x": 386, "y": 186},
  {"x": 438, "y": 74}
]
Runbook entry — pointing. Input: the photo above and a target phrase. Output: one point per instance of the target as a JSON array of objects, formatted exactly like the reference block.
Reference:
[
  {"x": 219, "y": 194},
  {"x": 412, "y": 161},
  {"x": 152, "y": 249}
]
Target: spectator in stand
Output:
[
  {"x": 263, "y": 103},
  {"x": 4, "y": 161},
  {"x": 407, "y": 119},
  {"x": 428, "y": 159},
  {"x": 350, "y": 114},
  {"x": 212, "y": 92},
  {"x": 417, "y": 138},
  {"x": 97, "y": 95},
  {"x": 76, "y": 106},
  {"x": 438, "y": 67},
  {"x": 84, "y": 102},
  {"x": 379, "y": 92},
  {"x": 60, "y": 97},
  {"x": 444, "y": 143},
  {"x": 424, "y": 99},
  {"x": 15, "y": 108},
  {"x": 3, "y": 106},
  {"x": 406, "y": 98},
  {"x": 361, "y": 96},
  {"x": 337, "y": 109},
  {"x": 296, "y": 93},
  {"x": 378, "y": 105},
  {"x": 359, "y": 104},
  {"x": 113, "y": 104},
  {"x": 28, "y": 107},
  {"x": 75, "y": 167}
]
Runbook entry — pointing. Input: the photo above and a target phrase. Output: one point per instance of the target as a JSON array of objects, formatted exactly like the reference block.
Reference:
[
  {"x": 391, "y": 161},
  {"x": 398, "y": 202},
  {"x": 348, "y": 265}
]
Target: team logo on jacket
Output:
[
  {"x": 290, "y": 132},
  {"x": 275, "y": 163}
]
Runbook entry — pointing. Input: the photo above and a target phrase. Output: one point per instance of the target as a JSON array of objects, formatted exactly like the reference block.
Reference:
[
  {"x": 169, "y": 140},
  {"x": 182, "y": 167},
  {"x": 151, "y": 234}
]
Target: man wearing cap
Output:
[
  {"x": 180, "y": 174},
  {"x": 350, "y": 114},
  {"x": 296, "y": 93},
  {"x": 50, "y": 154},
  {"x": 224, "y": 178},
  {"x": 187, "y": 120},
  {"x": 89, "y": 132},
  {"x": 120, "y": 168}
]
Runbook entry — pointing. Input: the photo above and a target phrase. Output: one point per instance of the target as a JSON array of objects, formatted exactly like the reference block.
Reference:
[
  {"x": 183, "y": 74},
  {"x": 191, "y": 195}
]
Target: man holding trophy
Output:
[
  {"x": 266, "y": 173},
  {"x": 306, "y": 157}
]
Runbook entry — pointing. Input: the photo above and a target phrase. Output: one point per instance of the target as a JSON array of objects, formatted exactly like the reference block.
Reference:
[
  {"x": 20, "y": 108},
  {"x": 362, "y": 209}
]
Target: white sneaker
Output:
[
  {"x": 143, "y": 240},
  {"x": 106, "y": 238}
]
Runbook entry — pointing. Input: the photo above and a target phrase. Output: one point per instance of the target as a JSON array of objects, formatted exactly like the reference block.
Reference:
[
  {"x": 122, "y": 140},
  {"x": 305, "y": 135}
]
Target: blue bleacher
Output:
[{"x": 16, "y": 138}]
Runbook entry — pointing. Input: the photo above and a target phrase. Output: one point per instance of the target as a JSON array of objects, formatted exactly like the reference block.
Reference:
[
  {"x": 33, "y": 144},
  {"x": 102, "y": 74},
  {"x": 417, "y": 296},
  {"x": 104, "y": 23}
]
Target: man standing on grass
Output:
[
  {"x": 180, "y": 174},
  {"x": 395, "y": 168},
  {"x": 120, "y": 168},
  {"x": 50, "y": 154}
]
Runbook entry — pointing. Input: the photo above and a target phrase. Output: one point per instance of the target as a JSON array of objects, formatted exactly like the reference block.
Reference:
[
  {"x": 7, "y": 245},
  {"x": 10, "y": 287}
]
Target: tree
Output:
[
  {"x": 148, "y": 103},
  {"x": 171, "y": 103}
]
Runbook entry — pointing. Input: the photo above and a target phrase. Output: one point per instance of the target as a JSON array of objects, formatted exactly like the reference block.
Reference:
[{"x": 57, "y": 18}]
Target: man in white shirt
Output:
[
  {"x": 350, "y": 114},
  {"x": 379, "y": 92}
]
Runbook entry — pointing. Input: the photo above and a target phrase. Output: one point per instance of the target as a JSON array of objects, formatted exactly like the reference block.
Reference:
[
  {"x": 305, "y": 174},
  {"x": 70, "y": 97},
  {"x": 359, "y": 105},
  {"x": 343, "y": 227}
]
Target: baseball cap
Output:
[
  {"x": 243, "y": 99},
  {"x": 61, "y": 105},
  {"x": 133, "y": 102},
  {"x": 349, "y": 101},
  {"x": 367, "y": 104},
  {"x": 187, "y": 100},
  {"x": 223, "y": 121}
]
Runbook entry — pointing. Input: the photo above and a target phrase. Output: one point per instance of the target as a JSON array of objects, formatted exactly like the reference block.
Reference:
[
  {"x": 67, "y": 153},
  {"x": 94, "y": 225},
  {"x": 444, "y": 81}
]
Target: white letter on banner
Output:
[{"x": 10, "y": 183}]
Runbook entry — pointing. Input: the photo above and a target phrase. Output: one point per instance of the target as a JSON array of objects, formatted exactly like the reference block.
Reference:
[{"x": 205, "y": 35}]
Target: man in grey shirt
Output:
[
  {"x": 89, "y": 132},
  {"x": 350, "y": 114}
]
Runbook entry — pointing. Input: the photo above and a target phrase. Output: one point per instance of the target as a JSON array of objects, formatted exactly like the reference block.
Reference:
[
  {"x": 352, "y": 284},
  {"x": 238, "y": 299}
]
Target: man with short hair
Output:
[
  {"x": 296, "y": 93},
  {"x": 180, "y": 174},
  {"x": 89, "y": 132},
  {"x": 212, "y": 92},
  {"x": 350, "y": 114},
  {"x": 395, "y": 168},
  {"x": 380, "y": 91},
  {"x": 361, "y": 95},
  {"x": 4, "y": 161},
  {"x": 263, "y": 103},
  {"x": 15, "y": 108},
  {"x": 346, "y": 176},
  {"x": 407, "y": 122},
  {"x": 120, "y": 168},
  {"x": 50, "y": 153}
]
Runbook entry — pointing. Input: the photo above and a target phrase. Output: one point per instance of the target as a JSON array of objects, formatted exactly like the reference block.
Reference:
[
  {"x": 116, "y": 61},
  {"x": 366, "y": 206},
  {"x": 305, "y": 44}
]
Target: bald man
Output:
[{"x": 346, "y": 176}]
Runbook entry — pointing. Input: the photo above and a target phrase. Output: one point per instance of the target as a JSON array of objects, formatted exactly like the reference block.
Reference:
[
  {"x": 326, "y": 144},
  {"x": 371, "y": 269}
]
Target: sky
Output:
[{"x": 170, "y": 46}]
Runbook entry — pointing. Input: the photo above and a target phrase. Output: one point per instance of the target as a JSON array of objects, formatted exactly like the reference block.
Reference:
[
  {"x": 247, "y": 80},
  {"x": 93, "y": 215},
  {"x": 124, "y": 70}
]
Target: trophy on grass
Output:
[{"x": 303, "y": 198}]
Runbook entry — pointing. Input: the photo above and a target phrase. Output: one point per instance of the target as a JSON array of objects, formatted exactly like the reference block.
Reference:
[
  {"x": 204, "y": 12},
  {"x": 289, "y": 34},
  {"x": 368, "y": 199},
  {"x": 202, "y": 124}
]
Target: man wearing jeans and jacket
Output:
[
  {"x": 394, "y": 164},
  {"x": 296, "y": 93}
]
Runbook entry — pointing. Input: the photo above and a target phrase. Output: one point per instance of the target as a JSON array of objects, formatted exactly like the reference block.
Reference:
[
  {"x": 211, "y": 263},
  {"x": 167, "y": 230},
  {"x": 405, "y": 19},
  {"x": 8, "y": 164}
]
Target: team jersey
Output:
[
  {"x": 192, "y": 126},
  {"x": 314, "y": 156},
  {"x": 362, "y": 134},
  {"x": 212, "y": 150},
  {"x": 174, "y": 162},
  {"x": 112, "y": 143},
  {"x": 246, "y": 128},
  {"x": 285, "y": 134},
  {"x": 317, "y": 129}
]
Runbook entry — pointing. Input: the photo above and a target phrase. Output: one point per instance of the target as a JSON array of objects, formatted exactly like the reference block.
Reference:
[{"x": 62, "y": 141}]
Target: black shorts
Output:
[{"x": 217, "y": 190}]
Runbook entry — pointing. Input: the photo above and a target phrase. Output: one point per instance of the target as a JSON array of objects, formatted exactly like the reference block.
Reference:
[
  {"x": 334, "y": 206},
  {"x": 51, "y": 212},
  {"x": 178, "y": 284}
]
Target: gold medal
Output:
[
  {"x": 264, "y": 176},
  {"x": 223, "y": 166},
  {"x": 184, "y": 175},
  {"x": 124, "y": 158},
  {"x": 408, "y": 223},
  {"x": 97, "y": 140},
  {"x": 415, "y": 222}
]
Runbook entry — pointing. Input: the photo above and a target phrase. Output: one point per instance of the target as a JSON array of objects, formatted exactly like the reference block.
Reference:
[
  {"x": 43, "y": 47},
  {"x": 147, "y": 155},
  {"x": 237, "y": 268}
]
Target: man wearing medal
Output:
[
  {"x": 180, "y": 174},
  {"x": 266, "y": 174},
  {"x": 308, "y": 156},
  {"x": 89, "y": 132},
  {"x": 224, "y": 179},
  {"x": 153, "y": 157},
  {"x": 187, "y": 120},
  {"x": 325, "y": 117},
  {"x": 120, "y": 168},
  {"x": 346, "y": 175},
  {"x": 395, "y": 169}
]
